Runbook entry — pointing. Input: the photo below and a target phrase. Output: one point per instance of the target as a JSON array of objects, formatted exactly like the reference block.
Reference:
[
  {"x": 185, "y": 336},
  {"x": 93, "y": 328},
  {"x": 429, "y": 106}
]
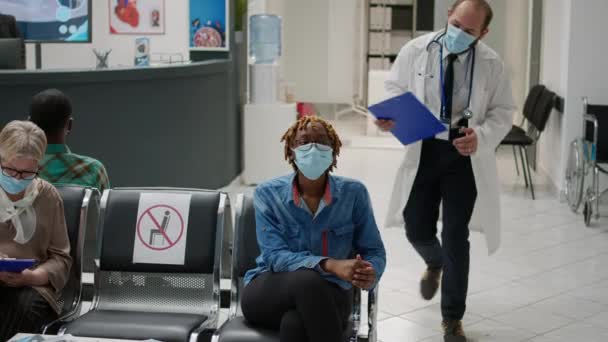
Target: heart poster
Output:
[{"x": 137, "y": 17}]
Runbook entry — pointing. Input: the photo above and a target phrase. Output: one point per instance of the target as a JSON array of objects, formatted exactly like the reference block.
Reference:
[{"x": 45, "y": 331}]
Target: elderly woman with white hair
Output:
[{"x": 32, "y": 226}]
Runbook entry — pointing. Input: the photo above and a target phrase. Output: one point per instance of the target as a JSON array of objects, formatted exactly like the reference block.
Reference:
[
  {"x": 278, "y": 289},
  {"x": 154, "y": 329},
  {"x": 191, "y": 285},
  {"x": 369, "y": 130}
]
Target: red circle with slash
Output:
[{"x": 148, "y": 213}]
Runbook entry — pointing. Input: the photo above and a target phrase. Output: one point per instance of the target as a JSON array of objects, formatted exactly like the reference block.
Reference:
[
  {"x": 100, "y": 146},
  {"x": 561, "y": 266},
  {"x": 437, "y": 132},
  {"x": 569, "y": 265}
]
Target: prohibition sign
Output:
[{"x": 150, "y": 216}]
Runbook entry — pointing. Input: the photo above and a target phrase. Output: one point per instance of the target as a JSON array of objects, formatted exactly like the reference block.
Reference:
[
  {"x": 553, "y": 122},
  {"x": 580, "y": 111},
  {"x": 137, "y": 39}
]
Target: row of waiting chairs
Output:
[{"x": 165, "y": 302}]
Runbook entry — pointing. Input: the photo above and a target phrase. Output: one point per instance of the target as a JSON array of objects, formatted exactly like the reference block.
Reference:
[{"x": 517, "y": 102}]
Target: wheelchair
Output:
[{"x": 587, "y": 160}]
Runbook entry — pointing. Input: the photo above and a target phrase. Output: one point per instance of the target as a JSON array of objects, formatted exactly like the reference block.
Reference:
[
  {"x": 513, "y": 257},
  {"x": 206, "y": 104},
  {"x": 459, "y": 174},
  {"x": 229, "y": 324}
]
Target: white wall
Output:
[
  {"x": 515, "y": 49},
  {"x": 573, "y": 66},
  {"x": 441, "y": 13},
  {"x": 175, "y": 40},
  {"x": 343, "y": 50},
  {"x": 509, "y": 36},
  {"x": 320, "y": 50},
  {"x": 305, "y": 53},
  {"x": 554, "y": 74}
]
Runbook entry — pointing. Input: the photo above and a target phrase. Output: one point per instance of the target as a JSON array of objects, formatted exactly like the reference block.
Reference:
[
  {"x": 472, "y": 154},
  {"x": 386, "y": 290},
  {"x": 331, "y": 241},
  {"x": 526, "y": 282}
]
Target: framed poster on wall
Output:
[
  {"x": 51, "y": 21},
  {"x": 209, "y": 25},
  {"x": 137, "y": 17}
]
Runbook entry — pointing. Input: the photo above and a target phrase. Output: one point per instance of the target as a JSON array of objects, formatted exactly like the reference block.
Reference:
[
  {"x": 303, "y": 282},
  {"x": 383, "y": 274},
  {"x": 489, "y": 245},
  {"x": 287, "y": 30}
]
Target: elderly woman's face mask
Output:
[
  {"x": 12, "y": 185},
  {"x": 17, "y": 175}
]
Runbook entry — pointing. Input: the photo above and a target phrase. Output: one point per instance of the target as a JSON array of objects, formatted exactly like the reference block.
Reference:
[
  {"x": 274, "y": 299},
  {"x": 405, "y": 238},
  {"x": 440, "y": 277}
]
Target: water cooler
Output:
[{"x": 266, "y": 117}]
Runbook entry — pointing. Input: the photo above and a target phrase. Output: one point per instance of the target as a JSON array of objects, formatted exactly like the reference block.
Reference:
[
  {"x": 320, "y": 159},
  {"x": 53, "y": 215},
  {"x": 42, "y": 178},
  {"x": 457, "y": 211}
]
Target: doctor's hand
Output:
[
  {"x": 466, "y": 145},
  {"x": 385, "y": 125}
]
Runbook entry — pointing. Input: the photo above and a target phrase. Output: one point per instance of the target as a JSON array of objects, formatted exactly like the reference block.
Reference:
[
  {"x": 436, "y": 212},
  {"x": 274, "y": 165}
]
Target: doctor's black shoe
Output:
[
  {"x": 453, "y": 332},
  {"x": 430, "y": 283}
]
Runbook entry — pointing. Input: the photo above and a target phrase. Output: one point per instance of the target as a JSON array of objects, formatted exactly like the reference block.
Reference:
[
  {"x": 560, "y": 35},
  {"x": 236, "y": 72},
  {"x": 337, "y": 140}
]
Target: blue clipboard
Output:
[
  {"x": 413, "y": 120},
  {"x": 16, "y": 265}
]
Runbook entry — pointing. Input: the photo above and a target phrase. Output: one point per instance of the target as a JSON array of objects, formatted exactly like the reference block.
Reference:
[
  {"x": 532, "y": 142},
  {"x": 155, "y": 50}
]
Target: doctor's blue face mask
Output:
[{"x": 457, "y": 41}]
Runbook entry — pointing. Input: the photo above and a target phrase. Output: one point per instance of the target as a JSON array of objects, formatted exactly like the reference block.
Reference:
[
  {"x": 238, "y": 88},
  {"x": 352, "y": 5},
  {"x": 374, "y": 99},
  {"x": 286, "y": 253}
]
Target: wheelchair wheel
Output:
[
  {"x": 588, "y": 212},
  {"x": 575, "y": 176}
]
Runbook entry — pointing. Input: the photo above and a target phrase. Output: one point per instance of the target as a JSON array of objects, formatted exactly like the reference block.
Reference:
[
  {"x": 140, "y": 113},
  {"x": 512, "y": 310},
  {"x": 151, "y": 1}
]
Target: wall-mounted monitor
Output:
[{"x": 51, "y": 21}]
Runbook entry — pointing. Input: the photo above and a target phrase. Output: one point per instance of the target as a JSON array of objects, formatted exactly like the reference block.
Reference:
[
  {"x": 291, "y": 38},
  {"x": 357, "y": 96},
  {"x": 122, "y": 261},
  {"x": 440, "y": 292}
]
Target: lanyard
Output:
[{"x": 441, "y": 79}]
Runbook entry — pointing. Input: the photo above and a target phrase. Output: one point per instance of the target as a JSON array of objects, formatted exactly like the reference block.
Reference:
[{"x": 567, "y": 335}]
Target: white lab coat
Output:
[{"x": 493, "y": 108}]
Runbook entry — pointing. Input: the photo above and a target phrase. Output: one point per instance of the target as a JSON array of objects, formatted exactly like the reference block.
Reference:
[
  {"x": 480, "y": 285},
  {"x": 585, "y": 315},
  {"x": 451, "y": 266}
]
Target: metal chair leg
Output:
[
  {"x": 529, "y": 172},
  {"x": 523, "y": 166},
  {"x": 598, "y": 194},
  {"x": 515, "y": 159},
  {"x": 372, "y": 314},
  {"x": 355, "y": 316}
]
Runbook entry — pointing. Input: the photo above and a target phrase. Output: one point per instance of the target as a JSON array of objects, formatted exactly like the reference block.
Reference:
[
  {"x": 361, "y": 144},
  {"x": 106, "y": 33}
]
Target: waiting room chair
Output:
[
  {"x": 536, "y": 112},
  {"x": 245, "y": 251},
  {"x": 92, "y": 242},
  {"x": 528, "y": 110},
  {"x": 169, "y": 303},
  {"x": 79, "y": 205},
  {"x": 529, "y": 106}
]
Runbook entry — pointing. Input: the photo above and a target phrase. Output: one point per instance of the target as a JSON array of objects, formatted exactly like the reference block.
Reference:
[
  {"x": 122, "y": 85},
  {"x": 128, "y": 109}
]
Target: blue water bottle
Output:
[{"x": 265, "y": 38}]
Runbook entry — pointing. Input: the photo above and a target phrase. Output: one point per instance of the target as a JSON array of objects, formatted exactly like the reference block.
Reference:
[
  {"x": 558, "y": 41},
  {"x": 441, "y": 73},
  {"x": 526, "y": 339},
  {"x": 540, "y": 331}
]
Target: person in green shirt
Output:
[{"x": 51, "y": 110}]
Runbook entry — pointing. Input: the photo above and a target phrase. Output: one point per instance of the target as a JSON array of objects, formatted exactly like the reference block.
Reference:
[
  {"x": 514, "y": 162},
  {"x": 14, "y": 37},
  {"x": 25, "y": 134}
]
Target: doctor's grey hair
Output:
[
  {"x": 481, "y": 4},
  {"x": 22, "y": 139}
]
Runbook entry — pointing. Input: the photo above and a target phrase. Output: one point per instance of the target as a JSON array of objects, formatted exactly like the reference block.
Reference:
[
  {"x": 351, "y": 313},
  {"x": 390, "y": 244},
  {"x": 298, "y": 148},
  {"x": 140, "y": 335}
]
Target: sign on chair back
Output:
[{"x": 159, "y": 268}]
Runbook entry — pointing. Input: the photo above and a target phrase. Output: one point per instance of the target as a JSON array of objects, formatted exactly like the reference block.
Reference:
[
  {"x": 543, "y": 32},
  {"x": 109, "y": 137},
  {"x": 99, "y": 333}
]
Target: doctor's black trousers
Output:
[{"x": 445, "y": 178}]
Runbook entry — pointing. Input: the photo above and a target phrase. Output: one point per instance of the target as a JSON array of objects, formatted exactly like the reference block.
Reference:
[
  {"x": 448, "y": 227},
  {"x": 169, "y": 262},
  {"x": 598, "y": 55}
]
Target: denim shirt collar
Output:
[{"x": 292, "y": 194}]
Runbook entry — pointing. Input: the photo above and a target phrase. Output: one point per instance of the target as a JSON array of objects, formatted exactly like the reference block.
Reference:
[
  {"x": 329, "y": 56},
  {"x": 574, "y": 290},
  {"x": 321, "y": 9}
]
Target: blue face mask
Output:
[
  {"x": 313, "y": 159},
  {"x": 12, "y": 185},
  {"x": 458, "y": 41}
]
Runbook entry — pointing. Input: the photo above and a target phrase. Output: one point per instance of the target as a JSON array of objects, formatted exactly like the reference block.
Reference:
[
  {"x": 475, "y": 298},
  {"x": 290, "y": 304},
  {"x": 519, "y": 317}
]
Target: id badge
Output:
[{"x": 445, "y": 135}]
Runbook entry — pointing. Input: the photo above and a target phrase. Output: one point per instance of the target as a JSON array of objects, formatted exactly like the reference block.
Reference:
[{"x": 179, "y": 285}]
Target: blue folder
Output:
[
  {"x": 413, "y": 120},
  {"x": 16, "y": 265}
]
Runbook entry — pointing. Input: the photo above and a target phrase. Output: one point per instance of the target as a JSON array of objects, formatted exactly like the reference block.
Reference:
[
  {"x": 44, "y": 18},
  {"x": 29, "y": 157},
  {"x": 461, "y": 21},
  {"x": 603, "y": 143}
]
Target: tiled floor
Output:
[{"x": 548, "y": 282}]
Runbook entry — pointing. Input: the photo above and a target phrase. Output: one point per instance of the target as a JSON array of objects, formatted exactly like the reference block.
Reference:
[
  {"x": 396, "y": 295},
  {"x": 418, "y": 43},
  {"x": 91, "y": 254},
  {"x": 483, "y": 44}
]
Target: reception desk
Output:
[{"x": 176, "y": 126}]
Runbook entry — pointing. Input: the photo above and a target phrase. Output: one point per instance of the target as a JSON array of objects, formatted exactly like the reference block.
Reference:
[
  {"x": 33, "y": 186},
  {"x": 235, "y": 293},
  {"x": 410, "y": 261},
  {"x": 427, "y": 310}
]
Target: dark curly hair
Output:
[{"x": 290, "y": 136}]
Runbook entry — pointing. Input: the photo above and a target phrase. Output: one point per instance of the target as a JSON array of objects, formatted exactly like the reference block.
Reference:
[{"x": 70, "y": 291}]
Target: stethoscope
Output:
[{"x": 467, "y": 113}]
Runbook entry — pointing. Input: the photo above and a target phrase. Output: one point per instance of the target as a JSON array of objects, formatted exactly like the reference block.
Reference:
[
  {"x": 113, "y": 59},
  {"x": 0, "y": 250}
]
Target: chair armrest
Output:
[
  {"x": 205, "y": 331},
  {"x": 592, "y": 119},
  {"x": 54, "y": 326},
  {"x": 216, "y": 334}
]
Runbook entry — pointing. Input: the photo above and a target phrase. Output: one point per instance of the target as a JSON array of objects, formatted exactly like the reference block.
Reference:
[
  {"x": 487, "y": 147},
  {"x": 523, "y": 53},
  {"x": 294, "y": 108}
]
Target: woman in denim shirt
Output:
[{"x": 318, "y": 239}]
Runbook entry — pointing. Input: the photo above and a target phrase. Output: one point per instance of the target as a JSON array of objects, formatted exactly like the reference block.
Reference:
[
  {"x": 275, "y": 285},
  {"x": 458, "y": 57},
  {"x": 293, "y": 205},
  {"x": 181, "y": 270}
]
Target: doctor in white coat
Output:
[{"x": 464, "y": 83}]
